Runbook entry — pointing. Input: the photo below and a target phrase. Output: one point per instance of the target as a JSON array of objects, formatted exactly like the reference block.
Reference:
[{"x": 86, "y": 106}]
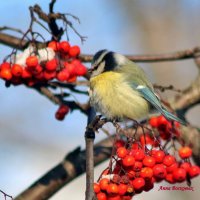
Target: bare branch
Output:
[
  {"x": 174, "y": 56},
  {"x": 89, "y": 142},
  {"x": 6, "y": 195}
]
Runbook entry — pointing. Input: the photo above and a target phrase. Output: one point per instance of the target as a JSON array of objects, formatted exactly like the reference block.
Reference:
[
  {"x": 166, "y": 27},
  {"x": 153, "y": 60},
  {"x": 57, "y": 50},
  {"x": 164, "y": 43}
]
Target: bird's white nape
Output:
[{"x": 120, "y": 59}]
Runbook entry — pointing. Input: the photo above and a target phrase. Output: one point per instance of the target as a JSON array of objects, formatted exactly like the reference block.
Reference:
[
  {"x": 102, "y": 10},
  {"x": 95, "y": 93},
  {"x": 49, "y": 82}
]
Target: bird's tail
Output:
[{"x": 170, "y": 116}]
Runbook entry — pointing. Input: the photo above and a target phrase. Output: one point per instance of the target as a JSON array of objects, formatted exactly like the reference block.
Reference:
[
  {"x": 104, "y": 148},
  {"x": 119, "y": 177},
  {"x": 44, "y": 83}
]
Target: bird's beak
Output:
[{"x": 91, "y": 69}]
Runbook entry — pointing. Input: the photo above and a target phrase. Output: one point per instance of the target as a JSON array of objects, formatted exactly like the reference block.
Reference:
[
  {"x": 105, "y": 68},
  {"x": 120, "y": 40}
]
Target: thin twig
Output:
[{"x": 6, "y": 195}]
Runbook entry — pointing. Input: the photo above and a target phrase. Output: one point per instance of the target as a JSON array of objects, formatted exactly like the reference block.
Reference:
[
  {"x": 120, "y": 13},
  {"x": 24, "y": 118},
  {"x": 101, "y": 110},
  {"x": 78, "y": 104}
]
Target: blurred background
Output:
[{"x": 32, "y": 141}]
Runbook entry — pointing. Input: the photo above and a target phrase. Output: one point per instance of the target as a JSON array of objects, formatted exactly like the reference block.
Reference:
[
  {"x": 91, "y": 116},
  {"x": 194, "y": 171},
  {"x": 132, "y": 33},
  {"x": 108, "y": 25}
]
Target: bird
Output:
[{"x": 119, "y": 89}]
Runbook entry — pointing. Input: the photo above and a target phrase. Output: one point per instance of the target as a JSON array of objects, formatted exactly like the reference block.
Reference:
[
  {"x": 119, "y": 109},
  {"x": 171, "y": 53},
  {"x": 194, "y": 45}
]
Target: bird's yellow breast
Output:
[{"x": 113, "y": 96}]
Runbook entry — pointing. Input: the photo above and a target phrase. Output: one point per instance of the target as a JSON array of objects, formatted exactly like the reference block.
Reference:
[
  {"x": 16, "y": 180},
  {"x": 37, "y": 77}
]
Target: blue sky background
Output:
[{"x": 31, "y": 140}]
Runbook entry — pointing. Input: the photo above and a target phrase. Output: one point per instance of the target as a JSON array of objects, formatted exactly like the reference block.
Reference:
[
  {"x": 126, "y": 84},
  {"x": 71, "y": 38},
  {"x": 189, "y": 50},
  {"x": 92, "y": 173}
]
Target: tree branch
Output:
[
  {"x": 174, "y": 56},
  {"x": 89, "y": 142}
]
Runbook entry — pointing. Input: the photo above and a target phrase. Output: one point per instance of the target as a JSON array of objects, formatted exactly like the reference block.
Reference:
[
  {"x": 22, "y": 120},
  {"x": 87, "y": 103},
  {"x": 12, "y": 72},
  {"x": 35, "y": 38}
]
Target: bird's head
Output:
[{"x": 104, "y": 61}]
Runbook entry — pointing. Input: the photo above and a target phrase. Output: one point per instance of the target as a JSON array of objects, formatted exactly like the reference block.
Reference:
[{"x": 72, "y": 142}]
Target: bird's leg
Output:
[{"x": 99, "y": 122}]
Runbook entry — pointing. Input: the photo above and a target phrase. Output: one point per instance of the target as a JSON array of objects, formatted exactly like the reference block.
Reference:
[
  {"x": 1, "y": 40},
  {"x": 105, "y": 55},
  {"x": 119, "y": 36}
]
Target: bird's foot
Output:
[{"x": 99, "y": 122}]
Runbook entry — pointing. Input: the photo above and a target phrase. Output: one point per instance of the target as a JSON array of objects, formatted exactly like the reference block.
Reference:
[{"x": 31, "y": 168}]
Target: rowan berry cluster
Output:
[
  {"x": 58, "y": 61},
  {"x": 138, "y": 164}
]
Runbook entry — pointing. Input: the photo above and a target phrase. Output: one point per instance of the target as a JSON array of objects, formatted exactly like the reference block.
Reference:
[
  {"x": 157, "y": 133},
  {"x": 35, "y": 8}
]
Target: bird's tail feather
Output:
[{"x": 170, "y": 116}]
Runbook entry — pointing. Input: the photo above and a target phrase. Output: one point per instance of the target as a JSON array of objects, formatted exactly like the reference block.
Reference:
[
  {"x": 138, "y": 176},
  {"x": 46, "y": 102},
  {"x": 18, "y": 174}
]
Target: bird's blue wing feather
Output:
[{"x": 149, "y": 95}]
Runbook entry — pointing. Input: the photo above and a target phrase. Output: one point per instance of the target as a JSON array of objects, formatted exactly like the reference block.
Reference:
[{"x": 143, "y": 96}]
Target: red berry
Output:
[
  {"x": 64, "y": 47},
  {"x": 26, "y": 73},
  {"x": 63, "y": 109},
  {"x": 185, "y": 152},
  {"x": 194, "y": 171},
  {"x": 138, "y": 183},
  {"x": 114, "y": 197},
  {"x": 119, "y": 143},
  {"x": 186, "y": 166},
  {"x": 128, "y": 161},
  {"x": 149, "y": 184},
  {"x": 168, "y": 160},
  {"x": 169, "y": 178},
  {"x": 122, "y": 188},
  {"x": 39, "y": 76},
  {"x": 6, "y": 74},
  {"x": 103, "y": 183},
  {"x": 121, "y": 152},
  {"x": 16, "y": 80},
  {"x": 146, "y": 173},
  {"x": 51, "y": 65},
  {"x": 158, "y": 155},
  {"x": 135, "y": 146},
  {"x": 137, "y": 166},
  {"x": 162, "y": 121},
  {"x": 59, "y": 116},
  {"x": 112, "y": 188},
  {"x": 159, "y": 171},
  {"x": 130, "y": 189},
  {"x": 172, "y": 167},
  {"x": 101, "y": 196},
  {"x": 96, "y": 188},
  {"x": 81, "y": 70},
  {"x": 130, "y": 173},
  {"x": 179, "y": 174},
  {"x": 5, "y": 65},
  {"x": 74, "y": 51},
  {"x": 146, "y": 139},
  {"x": 71, "y": 79},
  {"x": 165, "y": 135},
  {"x": 153, "y": 122},
  {"x": 32, "y": 62},
  {"x": 62, "y": 75},
  {"x": 71, "y": 68},
  {"x": 139, "y": 154},
  {"x": 16, "y": 70},
  {"x": 53, "y": 45},
  {"x": 149, "y": 161},
  {"x": 48, "y": 75},
  {"x": 126, "y": 197}
]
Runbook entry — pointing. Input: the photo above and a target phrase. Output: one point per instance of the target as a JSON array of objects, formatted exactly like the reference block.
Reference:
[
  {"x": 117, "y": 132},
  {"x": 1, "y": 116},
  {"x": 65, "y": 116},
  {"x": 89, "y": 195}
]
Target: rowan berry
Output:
[
  {"x": 122, "y": 152},
  {"x": 185, "y": 152},
  {"x": 149, "y": 161}
]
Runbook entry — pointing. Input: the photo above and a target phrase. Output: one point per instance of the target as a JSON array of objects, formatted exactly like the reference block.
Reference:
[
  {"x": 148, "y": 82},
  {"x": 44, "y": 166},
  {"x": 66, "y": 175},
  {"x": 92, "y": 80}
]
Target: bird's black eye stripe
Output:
[{"x": 110, "y": 61}]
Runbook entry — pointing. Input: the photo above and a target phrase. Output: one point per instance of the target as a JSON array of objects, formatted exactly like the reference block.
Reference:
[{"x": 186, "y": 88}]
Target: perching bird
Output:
[{"x": 120, "y": 89}]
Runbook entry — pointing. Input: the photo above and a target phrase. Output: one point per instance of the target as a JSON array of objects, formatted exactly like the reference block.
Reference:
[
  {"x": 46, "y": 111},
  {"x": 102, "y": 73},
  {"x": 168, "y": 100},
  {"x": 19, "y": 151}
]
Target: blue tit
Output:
[{"x": 120, "y": 89}]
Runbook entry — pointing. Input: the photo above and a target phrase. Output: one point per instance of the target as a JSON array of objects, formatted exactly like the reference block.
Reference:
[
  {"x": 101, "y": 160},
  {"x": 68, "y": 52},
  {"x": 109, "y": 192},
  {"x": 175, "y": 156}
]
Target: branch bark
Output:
[{"x": 89, "y": 142}]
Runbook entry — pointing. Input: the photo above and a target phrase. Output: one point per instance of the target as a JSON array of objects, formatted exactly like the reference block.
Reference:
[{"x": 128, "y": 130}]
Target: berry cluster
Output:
[
  {"x": 137, "y": 164},
  {"x": 165, "y": 128},
  {"x": 59, "y": 60}
]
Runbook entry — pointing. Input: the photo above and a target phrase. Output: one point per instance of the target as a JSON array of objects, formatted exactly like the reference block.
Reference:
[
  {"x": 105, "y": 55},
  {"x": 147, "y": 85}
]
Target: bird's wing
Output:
[
  {"x": 151, "y": 97},
  {"x": 133, "y": 72}
]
